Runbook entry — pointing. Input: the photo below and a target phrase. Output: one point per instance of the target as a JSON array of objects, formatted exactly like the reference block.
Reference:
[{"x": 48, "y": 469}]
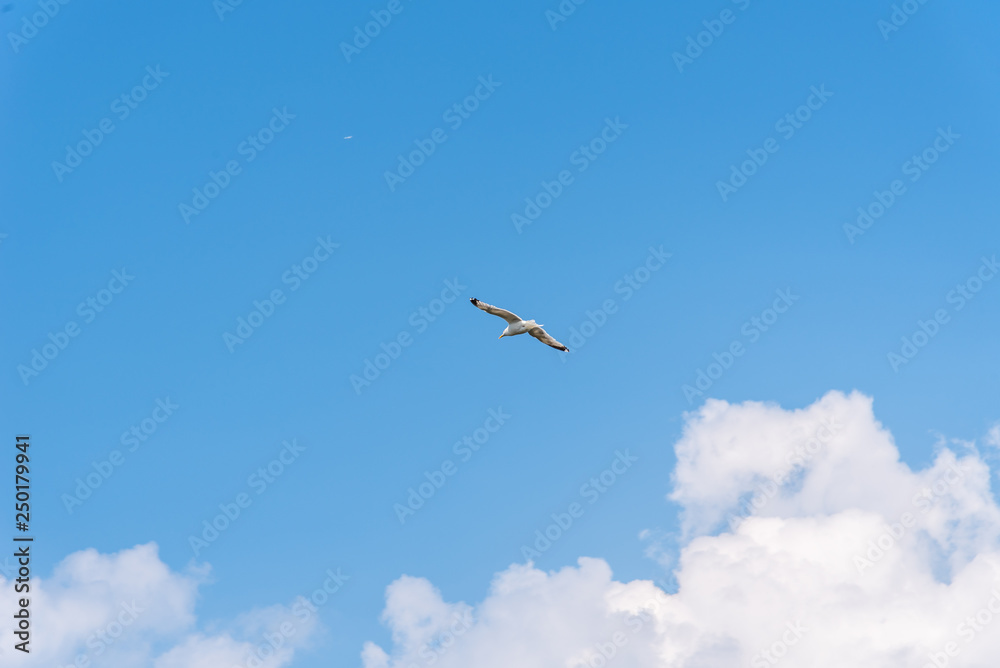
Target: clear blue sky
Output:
[{"x": 608, "y": 68}]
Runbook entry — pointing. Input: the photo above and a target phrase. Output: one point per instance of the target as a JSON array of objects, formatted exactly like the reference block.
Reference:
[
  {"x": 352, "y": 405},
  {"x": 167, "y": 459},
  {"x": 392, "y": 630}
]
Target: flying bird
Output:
[{"x": 515, "y": 325}]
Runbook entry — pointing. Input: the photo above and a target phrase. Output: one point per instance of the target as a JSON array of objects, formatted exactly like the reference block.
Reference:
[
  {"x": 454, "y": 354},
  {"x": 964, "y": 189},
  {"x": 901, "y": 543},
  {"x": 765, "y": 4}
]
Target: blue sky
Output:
[{"x": 450, "y": 223}]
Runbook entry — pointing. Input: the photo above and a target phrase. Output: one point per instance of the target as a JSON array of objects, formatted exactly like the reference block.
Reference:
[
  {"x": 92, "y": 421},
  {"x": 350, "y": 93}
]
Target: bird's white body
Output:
[{"x": 519, "y": 327}]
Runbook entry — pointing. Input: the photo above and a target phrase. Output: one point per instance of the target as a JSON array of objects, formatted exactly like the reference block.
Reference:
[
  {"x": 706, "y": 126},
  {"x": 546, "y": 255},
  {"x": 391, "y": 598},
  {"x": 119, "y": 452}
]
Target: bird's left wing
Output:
[
  {"x": 493, "y": 310},
  {"x": 544, "y": 337}
]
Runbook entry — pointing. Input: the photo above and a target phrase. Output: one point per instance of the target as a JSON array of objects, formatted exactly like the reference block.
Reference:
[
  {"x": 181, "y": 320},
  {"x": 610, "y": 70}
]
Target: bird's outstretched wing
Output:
[
  {"x": 493, "y": 310},
  {"x": 544, "y": 337}
]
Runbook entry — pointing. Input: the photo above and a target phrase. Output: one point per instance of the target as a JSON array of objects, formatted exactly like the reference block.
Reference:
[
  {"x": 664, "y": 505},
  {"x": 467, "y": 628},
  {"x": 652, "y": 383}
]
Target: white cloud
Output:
[
  {"x": 993, "y": 436},
  {"x": 129, "y": 609},
  {"x": 836, "y": 554}
]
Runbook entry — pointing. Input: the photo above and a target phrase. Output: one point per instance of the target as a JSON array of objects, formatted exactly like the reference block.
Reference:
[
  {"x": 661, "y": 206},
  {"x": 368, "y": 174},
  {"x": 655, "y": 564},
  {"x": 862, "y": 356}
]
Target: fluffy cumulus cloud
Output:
[
  {"x": 806, "y": 542},
  {"x": 130, "y": 610}
]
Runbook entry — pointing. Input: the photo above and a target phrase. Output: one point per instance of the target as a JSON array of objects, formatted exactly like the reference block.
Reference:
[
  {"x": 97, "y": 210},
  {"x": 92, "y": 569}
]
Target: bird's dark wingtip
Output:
[{"x": 474, "y": 300}]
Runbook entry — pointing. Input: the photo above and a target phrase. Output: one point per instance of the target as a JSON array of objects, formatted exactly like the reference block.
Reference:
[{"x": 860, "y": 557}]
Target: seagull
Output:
[{"x": 515, "y": 325}]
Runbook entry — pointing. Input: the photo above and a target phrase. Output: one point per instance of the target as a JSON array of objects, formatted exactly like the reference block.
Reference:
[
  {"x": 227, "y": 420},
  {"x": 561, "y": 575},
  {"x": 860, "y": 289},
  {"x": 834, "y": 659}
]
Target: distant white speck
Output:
[{"x": 348, "y": 136}]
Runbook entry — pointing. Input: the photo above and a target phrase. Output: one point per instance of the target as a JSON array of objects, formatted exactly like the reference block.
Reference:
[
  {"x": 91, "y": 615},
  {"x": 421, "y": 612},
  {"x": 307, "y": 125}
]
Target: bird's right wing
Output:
[
  {"x": 493, "y": 310},
  {"x": 545, "y": 338}
]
